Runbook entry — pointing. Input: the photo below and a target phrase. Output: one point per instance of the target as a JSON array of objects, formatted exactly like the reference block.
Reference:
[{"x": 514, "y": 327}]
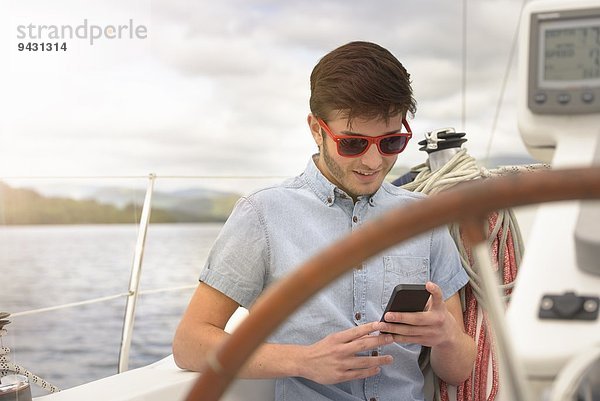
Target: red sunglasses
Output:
[{"x": 357, "y": 145}]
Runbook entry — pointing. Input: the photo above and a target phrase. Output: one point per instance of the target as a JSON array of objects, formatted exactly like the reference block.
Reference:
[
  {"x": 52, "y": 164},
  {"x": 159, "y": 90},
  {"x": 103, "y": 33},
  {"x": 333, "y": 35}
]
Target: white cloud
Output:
[{"x": 223, "y": 87}]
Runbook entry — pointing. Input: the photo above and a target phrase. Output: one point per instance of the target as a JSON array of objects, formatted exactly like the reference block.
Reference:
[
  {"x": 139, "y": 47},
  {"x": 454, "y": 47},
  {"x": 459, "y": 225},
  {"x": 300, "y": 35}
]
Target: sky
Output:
[{"x": 222, "y": 88}]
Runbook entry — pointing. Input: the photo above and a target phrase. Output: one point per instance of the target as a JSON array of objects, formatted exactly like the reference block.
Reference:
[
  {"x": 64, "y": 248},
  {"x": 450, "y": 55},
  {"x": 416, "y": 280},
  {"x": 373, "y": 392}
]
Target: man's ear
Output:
[{"x": 315, "y": 129}]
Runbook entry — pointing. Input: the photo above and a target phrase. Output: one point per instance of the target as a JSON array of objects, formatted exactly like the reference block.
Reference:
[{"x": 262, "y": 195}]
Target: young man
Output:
[{"x": 332, "y": 348}]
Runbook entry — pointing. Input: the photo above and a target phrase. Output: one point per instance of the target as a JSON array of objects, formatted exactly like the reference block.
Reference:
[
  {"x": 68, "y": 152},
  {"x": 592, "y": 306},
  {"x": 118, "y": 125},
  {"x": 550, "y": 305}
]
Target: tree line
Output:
[{"x": 21, "y": 206}]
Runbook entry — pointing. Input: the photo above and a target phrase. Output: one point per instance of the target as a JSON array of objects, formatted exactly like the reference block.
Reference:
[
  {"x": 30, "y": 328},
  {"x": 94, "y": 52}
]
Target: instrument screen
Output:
[{"x": 564, "y": 65}]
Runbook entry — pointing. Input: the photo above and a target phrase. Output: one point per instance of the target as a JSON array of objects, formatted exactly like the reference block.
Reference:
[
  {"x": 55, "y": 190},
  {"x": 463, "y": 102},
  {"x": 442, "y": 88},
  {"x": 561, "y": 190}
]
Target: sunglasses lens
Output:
[
  {"x": 393, "y": 144},
  {"x": 352, "y": 146}
]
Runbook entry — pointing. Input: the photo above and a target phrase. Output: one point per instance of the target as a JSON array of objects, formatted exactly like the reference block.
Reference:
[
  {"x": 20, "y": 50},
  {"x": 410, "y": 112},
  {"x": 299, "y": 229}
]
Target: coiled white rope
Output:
[
  {"x": 7, "y": 367},
  {"x": 461, "y": 167}
]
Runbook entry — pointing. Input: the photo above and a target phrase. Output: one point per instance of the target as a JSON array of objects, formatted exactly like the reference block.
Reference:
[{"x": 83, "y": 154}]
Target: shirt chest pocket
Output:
[{"x": 402, "y": 270}]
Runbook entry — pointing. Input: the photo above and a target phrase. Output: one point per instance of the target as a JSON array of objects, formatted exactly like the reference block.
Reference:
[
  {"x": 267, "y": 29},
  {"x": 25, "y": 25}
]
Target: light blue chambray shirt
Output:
[{"x": 274, "y": 230}]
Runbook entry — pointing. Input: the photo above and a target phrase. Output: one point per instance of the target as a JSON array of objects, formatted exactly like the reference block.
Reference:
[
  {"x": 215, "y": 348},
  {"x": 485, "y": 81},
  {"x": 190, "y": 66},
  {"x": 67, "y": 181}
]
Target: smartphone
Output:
[{"x": 407, "y": 298}]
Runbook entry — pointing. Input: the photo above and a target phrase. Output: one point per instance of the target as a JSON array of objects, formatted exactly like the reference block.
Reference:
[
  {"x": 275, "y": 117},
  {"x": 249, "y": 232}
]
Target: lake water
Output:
[{"x": 42, "y": 266}]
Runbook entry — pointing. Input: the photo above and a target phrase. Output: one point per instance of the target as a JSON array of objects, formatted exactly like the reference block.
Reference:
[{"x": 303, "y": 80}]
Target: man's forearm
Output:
[
  {"x": 273, "y": 360},
  {"x": 191, "y": 349},
  {"x": 453, "y": 361},
  {"x": 328, "y": 361}
]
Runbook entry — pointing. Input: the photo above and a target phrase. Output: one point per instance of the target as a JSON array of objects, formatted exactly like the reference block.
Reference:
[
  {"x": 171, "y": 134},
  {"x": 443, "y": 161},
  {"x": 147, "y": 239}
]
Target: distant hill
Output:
[
  {"x": 113, "y": 205},
  {"x": 187, "y": 205}
]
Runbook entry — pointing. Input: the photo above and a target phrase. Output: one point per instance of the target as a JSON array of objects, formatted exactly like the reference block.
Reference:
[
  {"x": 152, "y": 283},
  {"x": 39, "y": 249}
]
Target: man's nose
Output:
[{"x": 372, "y": 158}]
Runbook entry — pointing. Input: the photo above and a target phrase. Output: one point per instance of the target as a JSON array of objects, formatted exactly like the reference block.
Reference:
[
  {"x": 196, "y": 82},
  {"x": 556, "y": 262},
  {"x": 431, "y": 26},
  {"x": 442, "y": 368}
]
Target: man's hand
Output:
[
  {"x": 334, "y": 360},
  {"x": 435, "y": 326}
]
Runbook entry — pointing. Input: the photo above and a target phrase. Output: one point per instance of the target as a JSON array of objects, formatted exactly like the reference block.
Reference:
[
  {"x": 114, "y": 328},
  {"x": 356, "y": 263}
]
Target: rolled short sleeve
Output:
[
  {"x": 238, "y": 261},
  {"x": 446, "y": 268}
]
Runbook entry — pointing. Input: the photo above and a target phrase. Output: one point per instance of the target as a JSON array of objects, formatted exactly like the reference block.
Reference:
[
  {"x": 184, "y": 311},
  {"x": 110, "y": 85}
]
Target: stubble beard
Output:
[{"x": 337, "y": 172}]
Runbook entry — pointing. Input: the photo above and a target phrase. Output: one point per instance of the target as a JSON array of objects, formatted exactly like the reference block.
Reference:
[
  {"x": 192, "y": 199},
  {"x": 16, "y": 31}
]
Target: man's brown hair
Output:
[{"x": 361, "y": 79}]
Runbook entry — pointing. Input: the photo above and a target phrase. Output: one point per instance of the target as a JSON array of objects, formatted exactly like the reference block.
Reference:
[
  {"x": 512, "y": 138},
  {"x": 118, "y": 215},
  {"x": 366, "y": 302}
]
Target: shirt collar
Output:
[{"x": 320, "y": 185}]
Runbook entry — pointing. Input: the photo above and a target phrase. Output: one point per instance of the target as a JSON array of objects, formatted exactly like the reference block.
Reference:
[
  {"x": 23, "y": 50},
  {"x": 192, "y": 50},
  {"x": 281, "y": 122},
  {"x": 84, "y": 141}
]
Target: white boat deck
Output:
[{"x": 162, "y": 380}]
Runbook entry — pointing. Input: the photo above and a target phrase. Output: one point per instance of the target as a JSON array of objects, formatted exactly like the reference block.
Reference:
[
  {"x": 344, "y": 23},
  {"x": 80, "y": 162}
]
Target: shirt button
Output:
[
  {"x": 329, "y": 201},
  {"x": 355, "y": 219},
  {"x": 374, "y": 353},
  {"x": 357, "y": 315}
]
